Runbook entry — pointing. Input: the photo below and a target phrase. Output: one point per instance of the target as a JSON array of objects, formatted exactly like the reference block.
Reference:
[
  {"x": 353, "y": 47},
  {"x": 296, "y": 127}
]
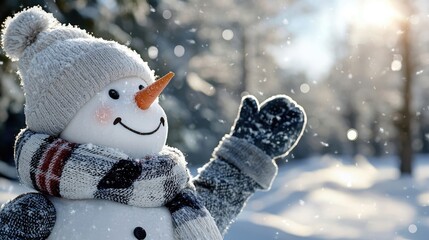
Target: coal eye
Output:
[
  {"x": 113, "y": 94},
  {"x": 141, "y": 87},
  {"x": 139, "y": 233}
]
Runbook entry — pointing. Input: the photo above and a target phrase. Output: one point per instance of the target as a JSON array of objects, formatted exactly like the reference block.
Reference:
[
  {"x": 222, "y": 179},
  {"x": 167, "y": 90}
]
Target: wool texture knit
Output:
[{"x": 28, "y": 216}]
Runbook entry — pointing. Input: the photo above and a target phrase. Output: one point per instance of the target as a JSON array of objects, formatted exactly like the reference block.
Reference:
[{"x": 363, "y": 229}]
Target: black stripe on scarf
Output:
[{"x": 120, "y": 177}]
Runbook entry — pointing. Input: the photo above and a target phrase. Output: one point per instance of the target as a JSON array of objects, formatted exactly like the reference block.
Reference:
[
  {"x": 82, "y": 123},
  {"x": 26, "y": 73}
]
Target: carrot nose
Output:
[{"x": 147, "y": 96}]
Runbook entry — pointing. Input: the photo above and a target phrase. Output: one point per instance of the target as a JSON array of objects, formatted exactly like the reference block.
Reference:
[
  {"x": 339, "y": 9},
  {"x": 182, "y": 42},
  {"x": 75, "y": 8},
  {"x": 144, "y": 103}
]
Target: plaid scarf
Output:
[{"x": 59, "y": 168}]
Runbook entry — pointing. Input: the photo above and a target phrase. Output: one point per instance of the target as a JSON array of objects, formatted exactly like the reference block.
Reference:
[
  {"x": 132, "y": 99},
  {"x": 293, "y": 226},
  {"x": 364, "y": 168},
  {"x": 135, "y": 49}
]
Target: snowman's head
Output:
[
  {"x": 125, "y": 115},
  {"x": 86, "y": 89}
]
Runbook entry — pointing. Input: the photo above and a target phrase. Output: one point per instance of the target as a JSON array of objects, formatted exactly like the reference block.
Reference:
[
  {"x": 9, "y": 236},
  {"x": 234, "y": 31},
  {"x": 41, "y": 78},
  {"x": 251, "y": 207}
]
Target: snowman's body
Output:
[{"x": 101, "y": 219}]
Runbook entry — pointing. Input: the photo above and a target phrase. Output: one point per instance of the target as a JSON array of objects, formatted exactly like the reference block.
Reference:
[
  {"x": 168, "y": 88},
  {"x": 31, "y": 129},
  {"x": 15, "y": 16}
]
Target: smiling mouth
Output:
[{"x": 119, "y": 120}]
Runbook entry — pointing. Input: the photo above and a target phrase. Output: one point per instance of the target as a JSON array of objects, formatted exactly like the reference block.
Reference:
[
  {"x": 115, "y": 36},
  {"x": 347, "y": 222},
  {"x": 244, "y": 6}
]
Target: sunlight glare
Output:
[{"x": 379, "y": 13}]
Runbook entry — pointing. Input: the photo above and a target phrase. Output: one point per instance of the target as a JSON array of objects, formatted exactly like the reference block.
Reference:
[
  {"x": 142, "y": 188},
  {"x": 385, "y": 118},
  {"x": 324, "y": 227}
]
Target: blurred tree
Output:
[
  {"x": 405, "y": 120},
  {"x": 379, "y": 72}
]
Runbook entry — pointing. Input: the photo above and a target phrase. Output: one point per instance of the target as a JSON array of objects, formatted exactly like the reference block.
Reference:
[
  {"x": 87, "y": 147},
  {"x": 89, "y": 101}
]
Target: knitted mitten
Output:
[
  {"x": 30, "y": 216},
  {"x": 274, "y": 127}
]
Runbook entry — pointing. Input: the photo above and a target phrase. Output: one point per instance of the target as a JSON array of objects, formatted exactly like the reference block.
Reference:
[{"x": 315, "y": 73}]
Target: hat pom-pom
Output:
[{"x": 21, "y": 30}]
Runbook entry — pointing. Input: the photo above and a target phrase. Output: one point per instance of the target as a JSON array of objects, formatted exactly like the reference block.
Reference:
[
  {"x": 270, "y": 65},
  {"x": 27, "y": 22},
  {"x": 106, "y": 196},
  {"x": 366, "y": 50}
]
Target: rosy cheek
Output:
[{"x": 103, "y": 115}]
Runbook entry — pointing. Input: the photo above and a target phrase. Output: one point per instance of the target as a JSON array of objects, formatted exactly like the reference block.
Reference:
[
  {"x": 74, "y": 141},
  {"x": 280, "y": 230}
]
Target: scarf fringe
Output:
[{"x": 198, "y": 229}]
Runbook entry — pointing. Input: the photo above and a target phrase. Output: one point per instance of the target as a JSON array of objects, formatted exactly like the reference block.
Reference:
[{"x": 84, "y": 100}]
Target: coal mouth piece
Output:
[{"x": 119, "y": 120}]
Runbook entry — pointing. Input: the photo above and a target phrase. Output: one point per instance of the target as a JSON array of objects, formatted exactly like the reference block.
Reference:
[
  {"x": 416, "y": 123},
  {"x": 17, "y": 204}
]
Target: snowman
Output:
[
  {"x": 94, "y": 149},
  {"x": 124, "y": 115}
]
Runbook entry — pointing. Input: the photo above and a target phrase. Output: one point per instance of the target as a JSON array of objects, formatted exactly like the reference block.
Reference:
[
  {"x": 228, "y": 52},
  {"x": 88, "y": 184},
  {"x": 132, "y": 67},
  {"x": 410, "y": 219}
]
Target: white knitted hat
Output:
[{"x": 62, "y": 67}]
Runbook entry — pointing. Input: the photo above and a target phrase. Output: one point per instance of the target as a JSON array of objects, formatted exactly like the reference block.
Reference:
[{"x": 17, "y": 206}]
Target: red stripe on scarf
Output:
[
  {"x": 58, "y": 166},
  {"x": 51, "y": 166},
  {"x": 46, "y": 159}
]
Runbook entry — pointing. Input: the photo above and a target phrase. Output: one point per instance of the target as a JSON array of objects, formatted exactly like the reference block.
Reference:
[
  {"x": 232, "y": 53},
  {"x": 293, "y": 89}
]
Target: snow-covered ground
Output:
[
  {"x": 329, "y": 198},
  {"x": 332, "y": 198}
]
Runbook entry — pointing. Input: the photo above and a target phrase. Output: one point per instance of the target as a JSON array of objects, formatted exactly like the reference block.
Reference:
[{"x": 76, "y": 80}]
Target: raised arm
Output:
[{"x": 244, "y": 161}]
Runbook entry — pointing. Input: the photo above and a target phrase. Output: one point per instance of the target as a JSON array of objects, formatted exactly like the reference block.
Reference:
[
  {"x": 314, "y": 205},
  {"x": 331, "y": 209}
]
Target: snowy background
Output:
[{"x": 346, "y": 62}]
